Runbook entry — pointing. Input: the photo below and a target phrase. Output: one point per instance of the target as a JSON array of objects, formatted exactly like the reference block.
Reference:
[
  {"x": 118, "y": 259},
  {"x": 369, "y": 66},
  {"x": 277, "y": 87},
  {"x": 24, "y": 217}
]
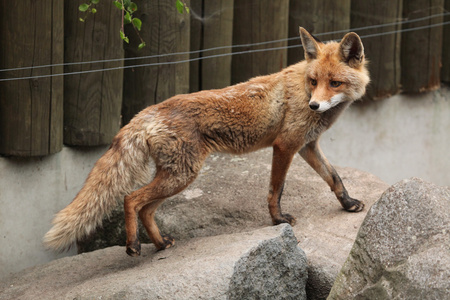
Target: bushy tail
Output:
[{"x": 118, "y": 172}]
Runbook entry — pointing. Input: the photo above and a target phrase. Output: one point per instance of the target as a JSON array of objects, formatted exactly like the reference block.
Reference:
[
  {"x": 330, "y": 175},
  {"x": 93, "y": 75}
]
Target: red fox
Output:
[{"x": 287, "y": 111}]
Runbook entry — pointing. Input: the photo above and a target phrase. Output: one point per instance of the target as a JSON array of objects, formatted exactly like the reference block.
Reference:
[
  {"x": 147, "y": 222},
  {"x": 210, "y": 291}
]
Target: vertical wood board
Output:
[
  {"x": 382, "y": 50},
  {"x": 31, "y": 109},
  {"x": 445, "y": 71},
  {"x": 217, "y": 32},
  {"x": 421, "y": 49},
  {"x": 165, "y": 31},
  {"x": 211, "y": 27},
  {"x": 318, "y": 17},
  {"x": 255, "y": 22},
  {"x": 196, "y": 44},
  {"x": 92, "y": 101}
]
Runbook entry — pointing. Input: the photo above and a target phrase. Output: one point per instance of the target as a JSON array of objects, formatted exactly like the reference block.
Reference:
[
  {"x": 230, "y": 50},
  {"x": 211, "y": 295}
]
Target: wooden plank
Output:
[
  {"x": 317, "y": 17},
  {"x": 217, "y": 32},
  {"x": 382, "y": 51},
  {"x": 57, "y": 91},
  {"x": 421, "y": 49},
  {"x": 165, "y": 31},
  {"x": 445, "y": 71},
  {"x": 248, "y": 28},
  {"x": 92, "y": 101},
  {"x": 29, "y": 120},
  {"x": 196, "y": 43},
  {"x": 211, "y": 27}
]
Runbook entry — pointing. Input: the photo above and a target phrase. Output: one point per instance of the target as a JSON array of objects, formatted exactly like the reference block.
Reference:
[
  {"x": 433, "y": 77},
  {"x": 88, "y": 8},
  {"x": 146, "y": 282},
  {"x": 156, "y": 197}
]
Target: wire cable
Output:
[
  {"x": 229, "y": 47},
  {"x": 223, "y": 54}
]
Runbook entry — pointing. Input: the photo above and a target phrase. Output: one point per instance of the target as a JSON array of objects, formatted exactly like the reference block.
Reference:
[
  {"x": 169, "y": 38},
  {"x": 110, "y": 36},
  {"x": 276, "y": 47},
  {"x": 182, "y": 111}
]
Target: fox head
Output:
[{"x": 335, "y": 72}]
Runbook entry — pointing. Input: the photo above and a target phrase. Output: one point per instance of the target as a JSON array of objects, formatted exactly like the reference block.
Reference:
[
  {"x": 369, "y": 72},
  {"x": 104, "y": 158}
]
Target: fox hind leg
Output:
[
  {"x": 144, "y": 203},
  {"x": 147, "y": 217}
]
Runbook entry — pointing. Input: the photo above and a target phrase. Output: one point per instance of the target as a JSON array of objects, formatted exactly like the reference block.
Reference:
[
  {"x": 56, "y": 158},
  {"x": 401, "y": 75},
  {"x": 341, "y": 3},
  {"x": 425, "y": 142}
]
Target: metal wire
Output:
[{"x": 220, "y": 48}]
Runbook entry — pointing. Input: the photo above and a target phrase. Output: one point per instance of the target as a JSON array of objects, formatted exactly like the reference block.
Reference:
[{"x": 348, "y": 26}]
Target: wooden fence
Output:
[{"x": 39, "y": 114}]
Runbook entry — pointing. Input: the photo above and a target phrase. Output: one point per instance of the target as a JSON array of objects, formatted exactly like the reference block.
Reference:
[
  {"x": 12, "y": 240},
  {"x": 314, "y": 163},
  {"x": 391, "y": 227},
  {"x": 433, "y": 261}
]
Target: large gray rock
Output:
[
  {"x": 230, "y": 195},
  {"x": 403, "y": 247},
  {"x": 262, "y": 264}
]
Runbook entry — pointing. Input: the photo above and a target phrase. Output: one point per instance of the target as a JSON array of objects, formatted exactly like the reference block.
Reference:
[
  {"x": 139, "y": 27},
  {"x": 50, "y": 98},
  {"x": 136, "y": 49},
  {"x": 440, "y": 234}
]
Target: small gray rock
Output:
[
  {"x": 272, "y": 270},
  {"x": 266, "y": 263}
]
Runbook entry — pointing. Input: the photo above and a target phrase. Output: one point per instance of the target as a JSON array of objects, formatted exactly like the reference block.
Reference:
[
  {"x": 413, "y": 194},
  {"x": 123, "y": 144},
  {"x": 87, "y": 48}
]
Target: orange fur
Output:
[{"x": 288, "y": 111}]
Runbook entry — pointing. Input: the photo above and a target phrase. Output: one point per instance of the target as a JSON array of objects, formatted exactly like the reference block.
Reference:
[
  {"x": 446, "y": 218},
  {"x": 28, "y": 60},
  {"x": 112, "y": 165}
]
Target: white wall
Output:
[
  {"x": 32, "y": 190},
  {"x": 395, "y": 138}
]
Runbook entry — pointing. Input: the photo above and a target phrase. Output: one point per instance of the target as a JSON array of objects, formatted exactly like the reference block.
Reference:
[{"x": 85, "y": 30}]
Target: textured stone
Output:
[
  {"x": 230, "y": 195},
  {"x": 402, "y": 250},
  {"x": 262, "y": 264},
  {"x": 268, "y": 271}
]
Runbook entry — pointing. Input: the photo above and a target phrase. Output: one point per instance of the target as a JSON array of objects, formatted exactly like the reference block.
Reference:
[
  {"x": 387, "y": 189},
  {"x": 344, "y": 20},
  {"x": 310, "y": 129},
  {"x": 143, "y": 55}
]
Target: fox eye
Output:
[
  {"x": 313, "y": 82},
  {"x": 335, "y": 84}
]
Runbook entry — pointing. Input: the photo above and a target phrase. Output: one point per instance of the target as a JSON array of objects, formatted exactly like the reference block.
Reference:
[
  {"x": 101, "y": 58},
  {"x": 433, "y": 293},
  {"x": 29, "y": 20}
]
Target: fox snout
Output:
[
  {"x": 324, "y": 105},
  {"x": 314, "y": 105}
]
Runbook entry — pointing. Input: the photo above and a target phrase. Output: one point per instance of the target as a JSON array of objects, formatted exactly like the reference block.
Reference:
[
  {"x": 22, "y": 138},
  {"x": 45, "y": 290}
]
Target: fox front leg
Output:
[
  {"x": 312, "y": 154},
  {"x": 280, "y": 164}
]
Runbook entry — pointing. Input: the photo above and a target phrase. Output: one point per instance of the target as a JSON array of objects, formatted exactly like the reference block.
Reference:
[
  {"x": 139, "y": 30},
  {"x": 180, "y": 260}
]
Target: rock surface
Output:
[
  {"x": 262, "y": 264},
  {"x": 230, "y": 195},
  {"x": 402, "y": 250}
]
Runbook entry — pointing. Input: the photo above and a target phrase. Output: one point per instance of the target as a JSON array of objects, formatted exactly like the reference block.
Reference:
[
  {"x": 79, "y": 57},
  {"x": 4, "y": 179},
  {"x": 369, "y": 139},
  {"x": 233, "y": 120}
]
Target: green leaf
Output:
[
  {"x": 180, "y": 6},
  {"x": 93, "y": 10},
  {"x": 127, "y": 18},
  {"x": 83, "y": 7},
  {"x": 126, "y": 3},
  {"x": 124, "y": 37},
  {"x": 141, "y": 45},
  {"x": 118, "y": 4},
  {"x": 132, "y": 7},
  {"x": 137, "y": 23},
  {"x": 81, "y": 19},
  {"x": 186, "y": 8},
  {"x": 94, "y": 1}
]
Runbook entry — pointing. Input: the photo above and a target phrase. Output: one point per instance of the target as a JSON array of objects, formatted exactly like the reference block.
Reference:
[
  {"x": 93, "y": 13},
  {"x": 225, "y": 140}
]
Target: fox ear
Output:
[
  {"x": 310, "y": 45},
  {"x": 352, "y": 50}
]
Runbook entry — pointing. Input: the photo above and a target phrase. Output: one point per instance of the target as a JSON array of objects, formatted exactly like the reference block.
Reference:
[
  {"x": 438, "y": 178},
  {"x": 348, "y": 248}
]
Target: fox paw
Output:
[
  {"x": 134, "y": 249},
  {"x": 285, "y": 218},
  {"x": 168, "y": 242},
  {"x": 354, "y": 206}
]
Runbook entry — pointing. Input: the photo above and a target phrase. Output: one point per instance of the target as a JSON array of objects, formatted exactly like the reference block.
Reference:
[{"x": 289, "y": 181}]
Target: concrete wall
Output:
[
  {"x": 395, "y": 138},
  {"x": 32, "y": 190}
]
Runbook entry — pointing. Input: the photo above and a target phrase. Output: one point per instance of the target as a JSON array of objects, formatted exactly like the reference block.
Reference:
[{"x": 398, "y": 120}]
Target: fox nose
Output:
[{"x": 314, "y": 105}]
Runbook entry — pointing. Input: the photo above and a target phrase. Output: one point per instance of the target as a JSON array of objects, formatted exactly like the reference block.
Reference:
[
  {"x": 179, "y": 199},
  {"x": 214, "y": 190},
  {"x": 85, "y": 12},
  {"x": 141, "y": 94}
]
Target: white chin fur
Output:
[{"x": 326, "y": 105}]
